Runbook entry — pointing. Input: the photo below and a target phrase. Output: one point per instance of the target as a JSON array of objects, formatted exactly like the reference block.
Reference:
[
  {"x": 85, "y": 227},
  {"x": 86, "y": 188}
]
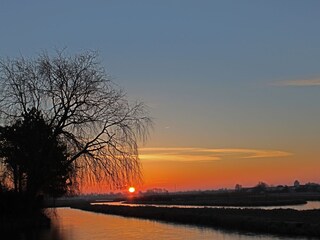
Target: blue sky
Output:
[{"x": 216, "y": 74}]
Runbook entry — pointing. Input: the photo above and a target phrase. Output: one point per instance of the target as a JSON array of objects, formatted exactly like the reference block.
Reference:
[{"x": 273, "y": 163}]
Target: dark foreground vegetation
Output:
[
  {"x": 279, "y": 221},
  {"x": 19, "y": 216}
]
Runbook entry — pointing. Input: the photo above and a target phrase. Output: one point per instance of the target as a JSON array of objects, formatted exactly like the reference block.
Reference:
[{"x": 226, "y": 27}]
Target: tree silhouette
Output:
[
  {"x": 260, "y": 187},
  {"x": 94, "y": 129},
  {"x": 34, "y": 160}
]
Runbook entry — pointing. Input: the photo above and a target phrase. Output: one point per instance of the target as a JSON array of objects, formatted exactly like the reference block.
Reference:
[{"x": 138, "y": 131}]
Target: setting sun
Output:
[{"x": 131, "y": 189}]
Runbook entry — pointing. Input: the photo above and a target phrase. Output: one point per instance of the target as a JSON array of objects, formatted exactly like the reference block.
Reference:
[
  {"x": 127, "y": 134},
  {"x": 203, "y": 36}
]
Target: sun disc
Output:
[{"x": 131, "y": 189}]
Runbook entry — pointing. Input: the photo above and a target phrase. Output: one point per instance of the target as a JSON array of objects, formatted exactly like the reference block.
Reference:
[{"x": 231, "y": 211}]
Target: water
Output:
[
  {"x": 72, "y": 224},
  {"x": 308, "y": 206}
]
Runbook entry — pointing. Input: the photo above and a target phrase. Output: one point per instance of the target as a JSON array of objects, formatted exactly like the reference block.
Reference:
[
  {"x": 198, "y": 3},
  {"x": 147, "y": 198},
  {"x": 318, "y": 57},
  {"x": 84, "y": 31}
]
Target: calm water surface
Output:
[
  {"x": 72, "y": 224},
  {"x": 308, "y": 206}
]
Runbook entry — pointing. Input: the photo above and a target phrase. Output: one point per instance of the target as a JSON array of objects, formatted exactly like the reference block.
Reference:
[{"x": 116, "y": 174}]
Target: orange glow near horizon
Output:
[
  {"x": 200, "y": 168},
  {"x": 182, "y": 169}
]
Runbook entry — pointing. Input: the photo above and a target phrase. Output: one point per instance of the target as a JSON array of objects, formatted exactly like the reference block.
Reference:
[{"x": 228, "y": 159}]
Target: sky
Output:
[{"x": 233, "y": 86}]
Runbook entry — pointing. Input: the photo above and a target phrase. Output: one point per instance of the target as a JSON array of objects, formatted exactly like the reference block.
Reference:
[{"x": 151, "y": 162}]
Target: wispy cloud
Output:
[
  {"x": 299, "y": 83},
  {"x": 206, "y": 154}
]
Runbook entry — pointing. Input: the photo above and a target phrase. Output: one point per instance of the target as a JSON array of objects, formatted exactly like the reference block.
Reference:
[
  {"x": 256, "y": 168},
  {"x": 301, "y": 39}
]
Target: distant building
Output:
[
  {"x": 238, "y": 187},
  {"x": 296, "y": 184}
]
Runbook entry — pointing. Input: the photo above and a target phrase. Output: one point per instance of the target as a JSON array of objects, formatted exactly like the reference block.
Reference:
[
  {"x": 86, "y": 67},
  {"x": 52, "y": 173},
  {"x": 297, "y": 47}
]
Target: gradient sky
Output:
[{"x": 233, "y": 86}]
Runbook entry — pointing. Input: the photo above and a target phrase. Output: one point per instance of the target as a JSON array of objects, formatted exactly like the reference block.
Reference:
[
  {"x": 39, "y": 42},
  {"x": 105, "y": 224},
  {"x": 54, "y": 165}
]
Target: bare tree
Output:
[{"x": 85, "y": 109}]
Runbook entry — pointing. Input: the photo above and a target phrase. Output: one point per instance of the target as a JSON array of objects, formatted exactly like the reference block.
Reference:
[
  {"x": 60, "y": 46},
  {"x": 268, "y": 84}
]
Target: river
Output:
[{"x": 73, "y": 224}]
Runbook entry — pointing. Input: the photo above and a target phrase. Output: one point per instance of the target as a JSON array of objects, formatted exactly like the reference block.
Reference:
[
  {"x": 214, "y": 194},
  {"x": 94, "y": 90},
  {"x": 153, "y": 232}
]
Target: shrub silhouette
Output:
[{"x": 34, "y": 158}]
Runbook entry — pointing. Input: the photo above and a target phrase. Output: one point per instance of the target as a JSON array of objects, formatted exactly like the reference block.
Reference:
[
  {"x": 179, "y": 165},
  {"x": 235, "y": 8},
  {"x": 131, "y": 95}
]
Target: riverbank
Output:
[
  {"x": 279, "y": 221},
  {"x": 19, "y": 216},
  {"x": 15, "y": 222},
  {"x": 226, "y": 203},
  {"x": 228, "y": 199}
]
